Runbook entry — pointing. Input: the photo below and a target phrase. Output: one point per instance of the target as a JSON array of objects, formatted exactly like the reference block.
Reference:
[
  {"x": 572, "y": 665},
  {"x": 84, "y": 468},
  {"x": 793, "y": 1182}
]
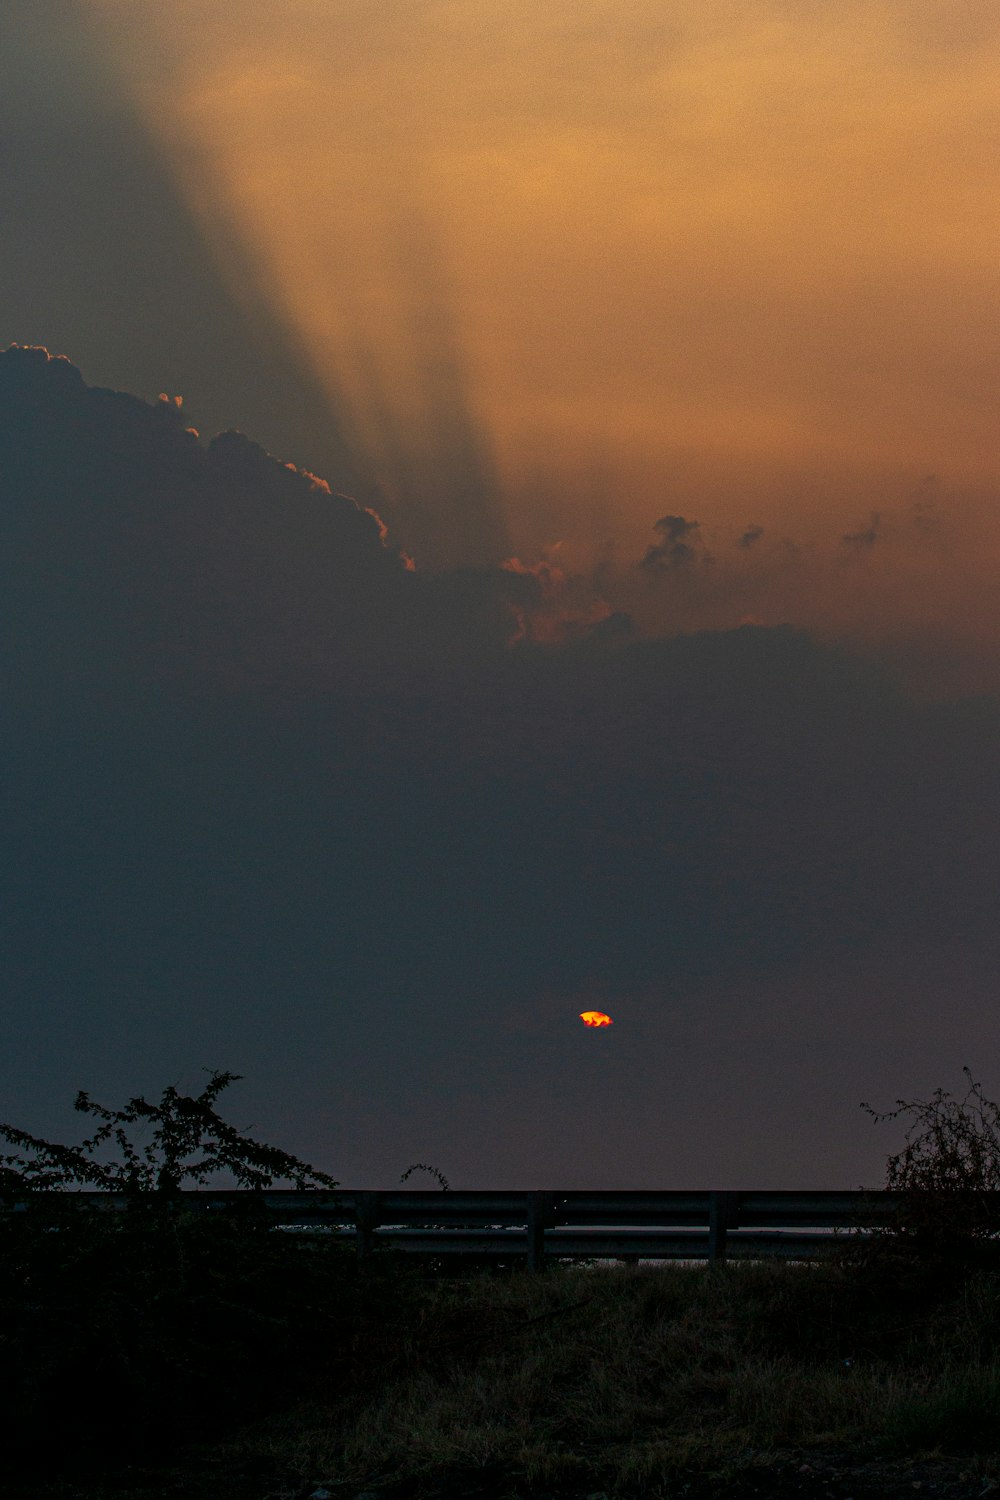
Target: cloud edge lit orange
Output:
[{"x": 595, "y": 1018}]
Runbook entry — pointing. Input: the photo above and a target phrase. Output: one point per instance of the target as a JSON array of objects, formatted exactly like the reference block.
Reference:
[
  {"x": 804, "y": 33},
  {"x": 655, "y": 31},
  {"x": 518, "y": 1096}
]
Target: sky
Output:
[{"x": 589, "y": 602}]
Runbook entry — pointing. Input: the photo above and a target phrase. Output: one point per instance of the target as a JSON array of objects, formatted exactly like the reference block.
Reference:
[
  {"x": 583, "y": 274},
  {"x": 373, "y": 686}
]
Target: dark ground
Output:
[{"x": 801, "y": 1474}]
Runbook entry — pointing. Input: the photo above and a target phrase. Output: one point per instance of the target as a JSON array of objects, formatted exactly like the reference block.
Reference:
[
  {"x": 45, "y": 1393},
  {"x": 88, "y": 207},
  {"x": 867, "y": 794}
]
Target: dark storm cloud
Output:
[
  {"x": 136, "y": 552},
  {"x": 130, "y": 548},
  {"x": 275, "y": 800},
  {"x": 751, "y": 535}
]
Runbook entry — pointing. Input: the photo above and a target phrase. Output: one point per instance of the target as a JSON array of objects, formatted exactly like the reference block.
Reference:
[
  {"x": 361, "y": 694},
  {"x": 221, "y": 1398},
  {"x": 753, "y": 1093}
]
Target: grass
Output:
[{"x": 622, "y": 1380}]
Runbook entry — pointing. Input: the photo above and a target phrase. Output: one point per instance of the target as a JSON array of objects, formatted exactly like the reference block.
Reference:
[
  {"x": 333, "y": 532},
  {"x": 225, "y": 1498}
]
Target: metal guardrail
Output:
[{"x": 573, "y": 1225}]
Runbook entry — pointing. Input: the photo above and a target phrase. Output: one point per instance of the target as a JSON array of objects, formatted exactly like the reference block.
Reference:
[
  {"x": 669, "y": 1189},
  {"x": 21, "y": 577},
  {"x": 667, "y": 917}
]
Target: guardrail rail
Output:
[{"x": 575, "y": 1225}]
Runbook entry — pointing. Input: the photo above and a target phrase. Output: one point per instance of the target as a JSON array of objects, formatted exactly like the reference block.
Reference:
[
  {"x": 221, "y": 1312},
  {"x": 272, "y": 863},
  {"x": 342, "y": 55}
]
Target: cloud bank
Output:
[{"x": 276, "y": 799}]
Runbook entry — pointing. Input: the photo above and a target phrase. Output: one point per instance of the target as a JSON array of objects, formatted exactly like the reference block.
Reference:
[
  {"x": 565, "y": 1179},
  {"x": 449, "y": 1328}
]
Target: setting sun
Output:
[{"x": 595, "y": 1018}]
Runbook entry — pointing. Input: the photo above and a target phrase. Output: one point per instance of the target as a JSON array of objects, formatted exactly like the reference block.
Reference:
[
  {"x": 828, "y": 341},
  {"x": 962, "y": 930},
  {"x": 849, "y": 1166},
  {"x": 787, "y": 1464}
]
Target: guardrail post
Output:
[
  {"x": 723, "y": 1214},
  {"x": 366, "y": 1219},
  {"x": 540, "y": 1216}
]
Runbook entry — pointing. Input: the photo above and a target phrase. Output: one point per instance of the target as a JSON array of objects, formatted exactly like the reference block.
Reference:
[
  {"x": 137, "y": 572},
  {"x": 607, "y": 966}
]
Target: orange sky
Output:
[{"x": 563, "y": 269}]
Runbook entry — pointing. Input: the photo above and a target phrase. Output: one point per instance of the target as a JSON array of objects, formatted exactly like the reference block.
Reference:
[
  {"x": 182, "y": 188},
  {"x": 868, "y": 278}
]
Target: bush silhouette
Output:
[
  {"x": 947, "y": 1175},
  {"x": 189, "y": 1143},
  {"x": 157, "y": 1323}
]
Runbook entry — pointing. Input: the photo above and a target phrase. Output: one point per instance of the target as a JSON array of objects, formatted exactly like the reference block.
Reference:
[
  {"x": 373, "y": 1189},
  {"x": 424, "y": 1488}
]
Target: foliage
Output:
[
  {"x": 952, "y": 1145},
  {"x": 947, "y": 1175},
  {"x": 190, "y": 1143},
  {"x": 157, "y": 1322},
  {"x": 422, "y": 1166}
]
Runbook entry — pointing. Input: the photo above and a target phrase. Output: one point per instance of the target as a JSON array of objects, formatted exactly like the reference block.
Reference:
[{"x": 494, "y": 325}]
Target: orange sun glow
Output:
[{"x": 595, "y": 1018}]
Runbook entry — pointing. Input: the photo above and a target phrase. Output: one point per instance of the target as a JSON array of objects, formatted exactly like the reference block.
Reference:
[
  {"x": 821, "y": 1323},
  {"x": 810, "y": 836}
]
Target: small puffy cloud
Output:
[
  {"x": 676, "y": 547},
  {"x": 865, "y": 538}
]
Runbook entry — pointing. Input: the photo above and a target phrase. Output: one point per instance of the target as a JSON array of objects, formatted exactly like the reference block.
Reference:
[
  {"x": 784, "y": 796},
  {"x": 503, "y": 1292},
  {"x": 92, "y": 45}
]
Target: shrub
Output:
[
  {"x": 947, "y": 1176},
  {"x": 157, "y": 1323},
  {"x": 190, "y": 1142}
]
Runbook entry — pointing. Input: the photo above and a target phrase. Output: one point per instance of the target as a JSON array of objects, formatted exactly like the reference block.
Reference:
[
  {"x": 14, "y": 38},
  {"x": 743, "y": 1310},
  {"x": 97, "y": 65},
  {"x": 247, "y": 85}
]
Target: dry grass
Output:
[{"x": 615, "y": 1379}]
